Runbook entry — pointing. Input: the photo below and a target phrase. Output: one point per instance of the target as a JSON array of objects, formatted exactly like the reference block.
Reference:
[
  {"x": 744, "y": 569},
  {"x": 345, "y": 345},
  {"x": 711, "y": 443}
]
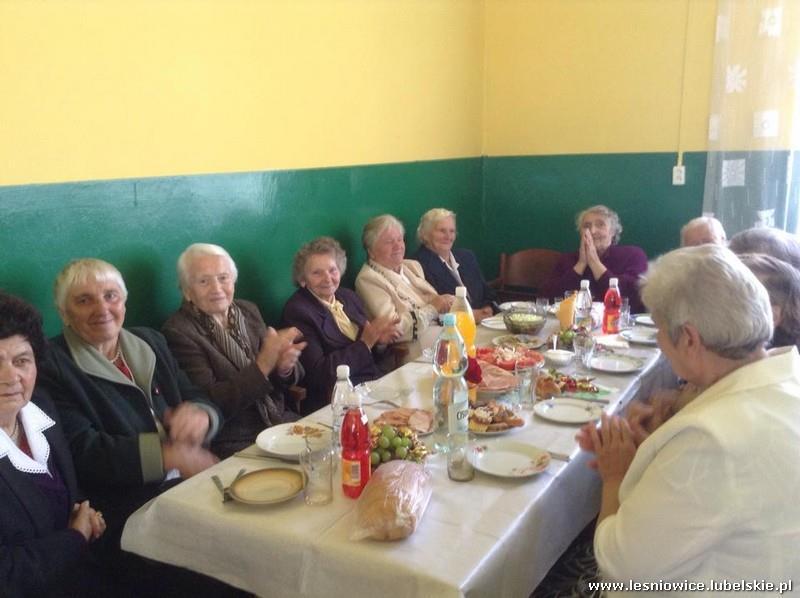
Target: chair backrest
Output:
[{"x": 527, "y": 269}]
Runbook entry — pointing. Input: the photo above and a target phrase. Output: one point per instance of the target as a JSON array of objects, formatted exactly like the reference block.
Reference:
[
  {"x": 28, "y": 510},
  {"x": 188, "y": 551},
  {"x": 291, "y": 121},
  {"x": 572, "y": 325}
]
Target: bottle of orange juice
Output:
[{"x": 465, "y": 320}]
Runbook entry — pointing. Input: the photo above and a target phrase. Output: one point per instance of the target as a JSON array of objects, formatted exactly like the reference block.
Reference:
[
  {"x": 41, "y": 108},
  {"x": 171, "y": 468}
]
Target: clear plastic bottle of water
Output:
[
  {"x": 450, "y": 389},
  {"x": 583, "y": 306},
  {"x": 341, "y": 393}
]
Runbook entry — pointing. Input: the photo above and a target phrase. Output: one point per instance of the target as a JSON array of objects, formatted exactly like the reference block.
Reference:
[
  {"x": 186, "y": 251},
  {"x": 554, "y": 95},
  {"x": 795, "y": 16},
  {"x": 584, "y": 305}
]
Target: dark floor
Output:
[{"x": 569, "y": 576}]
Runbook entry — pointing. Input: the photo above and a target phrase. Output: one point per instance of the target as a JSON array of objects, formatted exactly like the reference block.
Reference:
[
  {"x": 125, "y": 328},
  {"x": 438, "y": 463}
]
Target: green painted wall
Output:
[
  {"x": 142, "y": 225},
  {"x": 503, "y": 204},
  {"x": 532, "y": 201}
]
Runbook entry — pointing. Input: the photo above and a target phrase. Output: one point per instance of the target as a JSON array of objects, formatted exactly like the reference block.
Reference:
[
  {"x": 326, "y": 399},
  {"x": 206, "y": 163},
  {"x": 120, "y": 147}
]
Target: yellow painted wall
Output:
[
  {"x": 103, "y": 89},
  {"x": 597, "y": 76}
]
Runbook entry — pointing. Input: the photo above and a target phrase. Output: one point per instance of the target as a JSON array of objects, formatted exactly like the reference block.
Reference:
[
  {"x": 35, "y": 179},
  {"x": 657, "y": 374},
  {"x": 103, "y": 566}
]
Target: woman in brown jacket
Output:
[{"x": 225, "y": 347}]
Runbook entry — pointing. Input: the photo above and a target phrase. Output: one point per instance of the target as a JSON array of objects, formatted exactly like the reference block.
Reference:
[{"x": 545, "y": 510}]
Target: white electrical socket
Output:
[{"x": 679, "y": 175}]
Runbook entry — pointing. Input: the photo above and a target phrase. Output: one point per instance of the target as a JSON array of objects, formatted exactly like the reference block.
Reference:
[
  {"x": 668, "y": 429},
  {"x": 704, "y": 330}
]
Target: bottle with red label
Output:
[
  {"x": 612, "y": 302},
  {"x": 355, "y": 447}
]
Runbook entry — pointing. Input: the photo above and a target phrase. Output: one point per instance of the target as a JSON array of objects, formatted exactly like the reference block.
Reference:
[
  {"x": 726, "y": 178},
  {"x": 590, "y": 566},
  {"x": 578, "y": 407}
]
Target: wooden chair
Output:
[{"x": 523, "y": 274}]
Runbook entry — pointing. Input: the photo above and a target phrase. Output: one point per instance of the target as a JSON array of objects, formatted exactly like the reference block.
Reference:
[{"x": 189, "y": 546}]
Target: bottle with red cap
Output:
[
  {"x": 612, "y": 302},
  {"x": 355, "y": 447}
]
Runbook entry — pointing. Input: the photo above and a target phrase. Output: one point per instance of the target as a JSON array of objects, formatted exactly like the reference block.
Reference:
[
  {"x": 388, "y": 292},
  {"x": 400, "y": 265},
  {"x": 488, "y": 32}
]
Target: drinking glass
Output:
[
  {"x": 526, "y": 383},
  {"x": 318, "y": 466},
  {"x": 542, "y": 304},
  {"x": 625, "y": 320},
  {"x": 459, "y": 468},
  {"x": 583, "y": 345}
]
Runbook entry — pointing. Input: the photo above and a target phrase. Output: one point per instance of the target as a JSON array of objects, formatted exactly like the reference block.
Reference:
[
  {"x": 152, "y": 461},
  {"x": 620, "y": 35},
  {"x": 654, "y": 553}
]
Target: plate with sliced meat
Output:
[
  {"x": 420, "y": 421},
  {"x": 495, "y": 380}
]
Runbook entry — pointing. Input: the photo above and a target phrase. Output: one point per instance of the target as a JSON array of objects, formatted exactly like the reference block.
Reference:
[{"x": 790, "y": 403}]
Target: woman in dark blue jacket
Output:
[
  {"x": 446, "y": 268},
  {"x": 44, "y": 529}
]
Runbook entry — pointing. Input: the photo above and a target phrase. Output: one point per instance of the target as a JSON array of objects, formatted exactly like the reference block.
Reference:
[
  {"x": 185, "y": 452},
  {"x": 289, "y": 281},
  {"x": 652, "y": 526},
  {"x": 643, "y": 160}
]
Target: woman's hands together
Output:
[
  {"x": 87, "y": 521},
  {"x": 442, "y": 303},
  {"x": 587, "y": 256},
  {"x": 281, "y": 349},
  {"x": 614, "y": 448},
  {"x": 383, "y": 330},
  {"x": 187, "y": 425}
]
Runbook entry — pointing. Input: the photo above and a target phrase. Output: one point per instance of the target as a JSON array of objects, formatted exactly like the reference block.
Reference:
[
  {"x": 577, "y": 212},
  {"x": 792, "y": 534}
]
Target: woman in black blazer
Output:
[
  {"x": 44, "y": 530},
  {"x": 447, "y": 268}
]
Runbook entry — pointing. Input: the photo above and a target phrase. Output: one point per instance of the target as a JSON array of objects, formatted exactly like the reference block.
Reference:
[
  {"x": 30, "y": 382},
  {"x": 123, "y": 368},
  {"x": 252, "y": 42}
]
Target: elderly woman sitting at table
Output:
[
  {"x": 770, "y": 241},
  {"x": 226, "y": 349},
  {"x": 132, "y": 418},
  {"x": 394, "y": 287},
  {"x": 714, "y": 483},
  {"x": 333, "y": 322},
  {"x": 44, "y": 529},
  {"x": 782, "y": 282},
  {"x": 446, "y": 268},
  {"x": 599, "y": 259}
]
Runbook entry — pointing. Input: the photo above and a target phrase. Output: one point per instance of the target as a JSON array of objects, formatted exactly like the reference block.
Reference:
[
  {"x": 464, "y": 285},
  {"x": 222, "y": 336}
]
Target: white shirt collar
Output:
[{"x": 34, "y": 421}]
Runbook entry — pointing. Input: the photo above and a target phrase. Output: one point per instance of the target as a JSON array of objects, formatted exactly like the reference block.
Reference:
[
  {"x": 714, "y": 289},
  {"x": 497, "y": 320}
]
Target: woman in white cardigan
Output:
[
  {"x": 711, "y": 494},
  {"x": 392, "y": 286}
]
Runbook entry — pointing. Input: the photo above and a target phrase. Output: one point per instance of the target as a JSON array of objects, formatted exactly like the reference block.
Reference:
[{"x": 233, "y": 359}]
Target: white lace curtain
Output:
[{"x": 753, "y": 169}]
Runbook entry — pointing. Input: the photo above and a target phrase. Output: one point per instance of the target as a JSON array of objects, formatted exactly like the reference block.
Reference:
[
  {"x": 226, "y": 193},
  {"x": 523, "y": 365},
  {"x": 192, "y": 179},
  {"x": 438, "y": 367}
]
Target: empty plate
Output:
[
  {"x": 494, "y": 323},
  {"x": 509, "y": 459},
  {"x": 641, "y": 336},
  {"x": 568, "y": 411},
  {"x": 616, "y": 364},
  {"x": 644, "y": 320}
]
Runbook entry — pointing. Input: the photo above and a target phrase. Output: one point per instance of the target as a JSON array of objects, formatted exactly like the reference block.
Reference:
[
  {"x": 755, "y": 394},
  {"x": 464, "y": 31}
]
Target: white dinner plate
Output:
[
  {"x": 644, "y": 320},
  {"x": 494, "y": 323},
  {"x": 287, "y": 441},
  {"x": 268, "y": 486},
  {"x": 568, "y": 411},
  {"x": 520, "y": 304},
  {"x": 616, "y": 364},
  {"x": 527, "y": 341},
  {"x": 640, "y": 336},
  {"x": 508, "y": 459}
]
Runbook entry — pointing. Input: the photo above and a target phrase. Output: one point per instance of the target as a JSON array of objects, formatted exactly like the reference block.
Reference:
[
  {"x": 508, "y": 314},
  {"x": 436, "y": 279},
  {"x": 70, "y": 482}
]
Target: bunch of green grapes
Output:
[{"x": 388, "y": 443}]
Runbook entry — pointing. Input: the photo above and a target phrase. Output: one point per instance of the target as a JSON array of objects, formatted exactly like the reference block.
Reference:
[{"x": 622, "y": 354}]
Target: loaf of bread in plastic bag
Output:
[{"x": 393, "y": 502}]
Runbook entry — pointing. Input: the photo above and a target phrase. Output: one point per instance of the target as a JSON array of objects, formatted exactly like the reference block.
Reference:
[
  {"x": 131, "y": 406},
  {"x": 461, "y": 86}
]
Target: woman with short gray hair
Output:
[
  {"x": 333, "y": 322},
  {"x": 447, "y": 267},
  {"x": 393, "y": 287},
  {"x": 713, "y": 482},
  {"x": 599, "y": 259},
  {"x": 225, "y": 347}
]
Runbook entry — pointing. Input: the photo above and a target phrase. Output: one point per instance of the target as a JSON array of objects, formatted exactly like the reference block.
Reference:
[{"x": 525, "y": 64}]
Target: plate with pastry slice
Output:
[{"x": 493, "y": 419}]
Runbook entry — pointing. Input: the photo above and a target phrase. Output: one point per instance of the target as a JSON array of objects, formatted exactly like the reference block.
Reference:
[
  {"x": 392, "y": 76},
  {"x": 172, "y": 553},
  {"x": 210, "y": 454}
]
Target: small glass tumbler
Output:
[
  {"x": 625, "y": 320},
  {"x": 583, "y": 345},
  {"x": 526, "y": 383},
  {"x": 318, "y": 465},
  {"x": 459, "y": 467},
  {"x": 542, "y": 304}
]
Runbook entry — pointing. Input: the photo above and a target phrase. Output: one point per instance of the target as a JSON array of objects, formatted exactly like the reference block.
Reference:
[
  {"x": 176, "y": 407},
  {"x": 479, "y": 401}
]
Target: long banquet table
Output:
[{"x": 488, "y": 537}]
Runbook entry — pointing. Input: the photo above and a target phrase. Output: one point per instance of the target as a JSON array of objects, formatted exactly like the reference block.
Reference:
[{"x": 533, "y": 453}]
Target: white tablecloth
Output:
[{"x": 488, "y": 537}]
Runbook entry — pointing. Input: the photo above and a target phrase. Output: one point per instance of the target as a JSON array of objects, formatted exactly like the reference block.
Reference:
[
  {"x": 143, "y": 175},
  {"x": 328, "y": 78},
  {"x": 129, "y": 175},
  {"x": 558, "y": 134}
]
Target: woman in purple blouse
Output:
[{"x": 599, "y": 258}]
